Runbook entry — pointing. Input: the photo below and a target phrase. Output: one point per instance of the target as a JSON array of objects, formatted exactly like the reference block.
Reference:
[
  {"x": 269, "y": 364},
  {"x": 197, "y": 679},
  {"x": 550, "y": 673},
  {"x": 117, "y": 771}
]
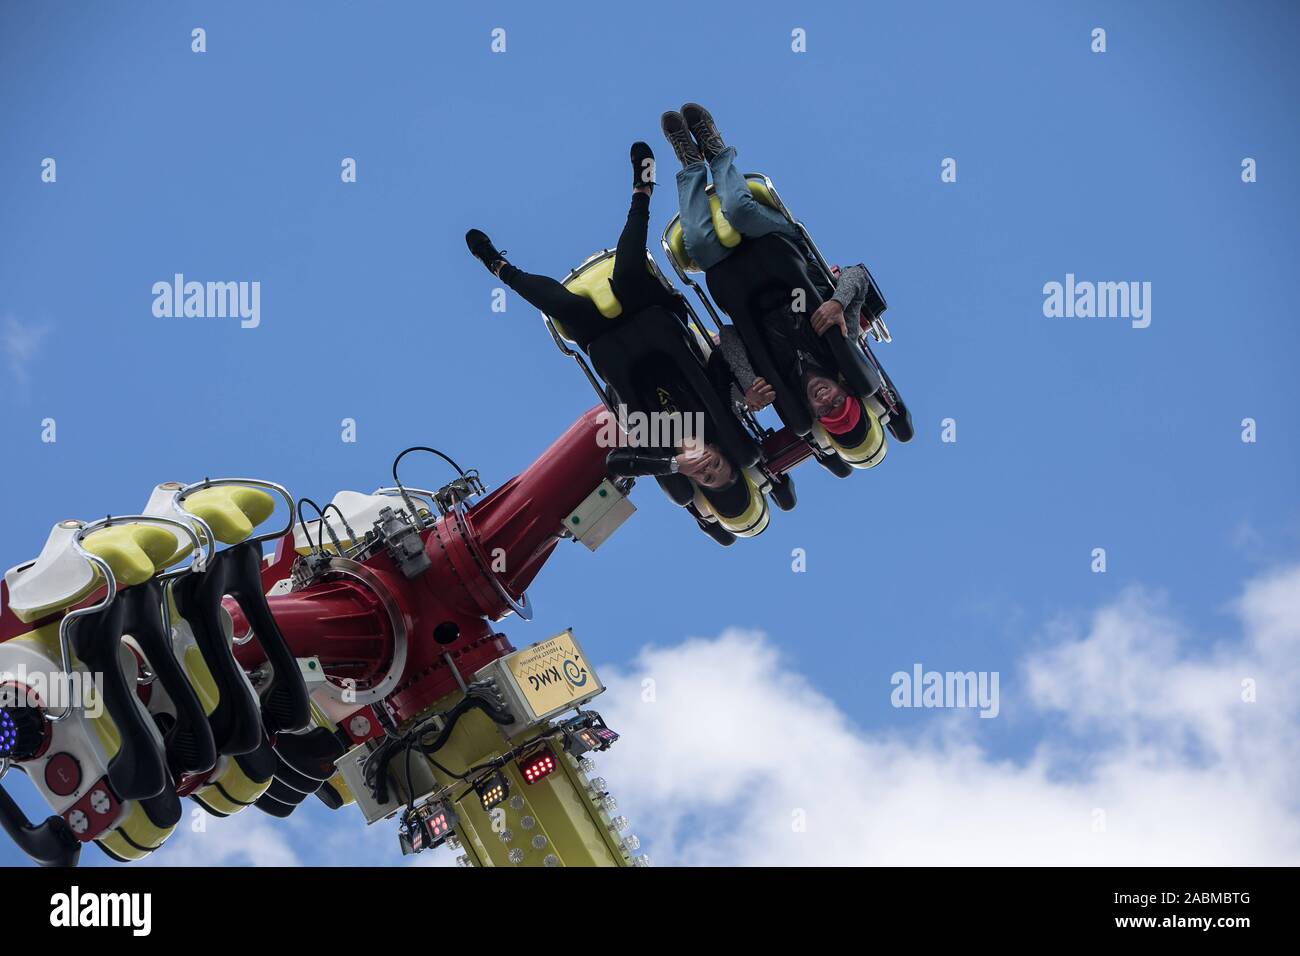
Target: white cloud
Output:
[
  {"x": 250, "y": 838},
  {"x": 1127, "y": 721},
  {"x": 19, "y": 342},
  {"x": 312, "y": 835}
]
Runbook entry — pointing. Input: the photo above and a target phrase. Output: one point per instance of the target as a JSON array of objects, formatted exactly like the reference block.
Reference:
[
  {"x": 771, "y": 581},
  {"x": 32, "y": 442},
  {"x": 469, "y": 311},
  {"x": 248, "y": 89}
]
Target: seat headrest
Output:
[
  {"x": 135, "y": 552},
  {"x": 593, "y": 283},
  {"x": 232, "y": 511}
]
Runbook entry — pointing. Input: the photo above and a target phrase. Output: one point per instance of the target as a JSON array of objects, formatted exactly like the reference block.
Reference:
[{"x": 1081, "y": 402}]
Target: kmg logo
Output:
[{"x": 575, "y": 673}]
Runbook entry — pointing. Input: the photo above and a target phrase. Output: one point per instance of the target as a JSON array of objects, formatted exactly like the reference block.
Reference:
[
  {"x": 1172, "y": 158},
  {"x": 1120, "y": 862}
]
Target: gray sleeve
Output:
[
  {"x": 733, "y": 350},
  {"x": 851, "y": 291}
]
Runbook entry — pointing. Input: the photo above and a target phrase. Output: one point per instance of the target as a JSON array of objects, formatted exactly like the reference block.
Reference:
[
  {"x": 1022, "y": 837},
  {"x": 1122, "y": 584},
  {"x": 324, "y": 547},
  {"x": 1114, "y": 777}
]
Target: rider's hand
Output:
[
  {"x": 759, "y": 395},
  {"x": 692, "y": 460},
  {"x": 829, "y": 313}
]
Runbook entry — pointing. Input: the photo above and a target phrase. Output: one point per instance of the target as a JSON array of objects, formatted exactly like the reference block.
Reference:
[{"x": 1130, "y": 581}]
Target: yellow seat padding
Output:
[
  {"x": 752, "y": 521},
  {"x": 593, "y": 284},
  {"x": 727, "y": 234},
  {"x": 866, "y": 454},
  {"x": 115, "y": 845},
  {"x": 135, "y": 552},
  {"x": 230, "y": 790},
  {"x": 677, "y": 248},
  {"x": 136, "y": 836},
  {"x": 759, "y": 190},
  {"x": 342, "y": 789},
  {"x": 231, "y": 511},
  {"x": 196, "y": 669}
]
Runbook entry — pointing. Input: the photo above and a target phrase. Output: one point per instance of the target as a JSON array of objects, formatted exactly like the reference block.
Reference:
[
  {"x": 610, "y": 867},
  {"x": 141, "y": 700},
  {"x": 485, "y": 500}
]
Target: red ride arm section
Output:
[{"x": 498, "y": 544}]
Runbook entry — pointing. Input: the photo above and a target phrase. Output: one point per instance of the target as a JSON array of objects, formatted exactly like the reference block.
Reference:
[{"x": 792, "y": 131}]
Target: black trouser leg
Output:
[
  {"x": 579, "y": 316},
  {"x": 634, "y": 284}
]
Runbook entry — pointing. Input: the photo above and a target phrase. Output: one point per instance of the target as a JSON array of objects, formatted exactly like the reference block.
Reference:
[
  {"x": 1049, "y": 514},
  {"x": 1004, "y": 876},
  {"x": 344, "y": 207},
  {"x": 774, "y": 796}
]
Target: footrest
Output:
[
  {"x": 138, "y": 769},
  {"x": 188, "y": 743},
  {"x": 236, "y": 572}
]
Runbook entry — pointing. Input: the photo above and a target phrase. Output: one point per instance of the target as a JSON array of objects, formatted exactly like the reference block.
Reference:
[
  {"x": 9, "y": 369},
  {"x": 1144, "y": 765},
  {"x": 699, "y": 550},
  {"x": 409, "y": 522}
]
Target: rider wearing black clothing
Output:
[
  {"x": 659, "y": 383},
  {"x": 633, "y": 284},
  {"x": 793, "y": 340}
]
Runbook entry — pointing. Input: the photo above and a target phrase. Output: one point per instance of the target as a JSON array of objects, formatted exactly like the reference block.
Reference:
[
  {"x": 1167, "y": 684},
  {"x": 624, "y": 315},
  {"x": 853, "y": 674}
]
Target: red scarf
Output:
[{"x": 845, "y": 420}]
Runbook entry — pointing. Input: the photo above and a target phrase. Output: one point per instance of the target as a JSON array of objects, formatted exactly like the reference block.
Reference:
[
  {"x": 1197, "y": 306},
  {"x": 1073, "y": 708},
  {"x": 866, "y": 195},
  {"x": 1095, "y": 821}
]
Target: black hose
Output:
[{"x": 377, "y": 765}]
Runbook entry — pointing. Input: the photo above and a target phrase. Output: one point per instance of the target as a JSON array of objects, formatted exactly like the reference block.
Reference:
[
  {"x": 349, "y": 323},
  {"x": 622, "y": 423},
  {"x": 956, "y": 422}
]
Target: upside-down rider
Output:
[
  {"x": 662, "y": 388},
  {"x": 793, "y": 341}
]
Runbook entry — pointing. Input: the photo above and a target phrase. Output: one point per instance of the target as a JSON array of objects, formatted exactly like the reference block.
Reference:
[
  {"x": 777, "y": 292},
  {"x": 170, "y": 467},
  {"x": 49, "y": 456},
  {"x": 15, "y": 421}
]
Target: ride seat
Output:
[
  {"x": 594, "y": 283},
  {"x": 867, "y": 453},
  {"x": 134, "y": 552},
  {"x": 60, "y": 578},
  {"x": 592, "y": 279},
  {"x": 752, "y": 521},
  {"x": 231, "y": 511},
  {"x": 727, "y": 234}
]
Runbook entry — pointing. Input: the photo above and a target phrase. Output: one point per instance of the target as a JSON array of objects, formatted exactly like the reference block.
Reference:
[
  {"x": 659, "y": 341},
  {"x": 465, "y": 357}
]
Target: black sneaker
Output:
[
  {"x": 700, "y": 122},
  {"x": 483, "y": 250},
  {"x": 679, "y": 137},
  {"x": 643, "y": 165}
]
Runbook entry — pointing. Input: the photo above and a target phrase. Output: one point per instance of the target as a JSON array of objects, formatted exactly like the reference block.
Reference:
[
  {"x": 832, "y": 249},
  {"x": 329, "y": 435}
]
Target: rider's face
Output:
[
  {"x": 717, "y": 470},
  {"x": 707, "y": 466},
  {"x": 825, "y": 395}
]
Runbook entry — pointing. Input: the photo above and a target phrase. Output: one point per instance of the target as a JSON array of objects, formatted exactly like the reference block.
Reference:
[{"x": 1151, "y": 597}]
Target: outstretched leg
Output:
[
  {"x": 746, "y": 214},
  {"x": 634, "y": 284},
  {"x": 579, "y": 316},
  {"x": 698, "y": 234}
]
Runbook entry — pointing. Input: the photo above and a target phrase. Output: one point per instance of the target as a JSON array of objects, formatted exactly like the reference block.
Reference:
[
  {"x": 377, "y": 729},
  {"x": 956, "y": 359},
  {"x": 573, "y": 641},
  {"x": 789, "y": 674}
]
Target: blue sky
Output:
[{"x": 1072, "y": 434}]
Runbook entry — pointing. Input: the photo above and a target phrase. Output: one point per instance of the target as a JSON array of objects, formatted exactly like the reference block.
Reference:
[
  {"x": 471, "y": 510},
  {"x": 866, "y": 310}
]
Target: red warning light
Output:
[
  {"x": 440, "y": 822},
  {"x": 539, "y": 764}
]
